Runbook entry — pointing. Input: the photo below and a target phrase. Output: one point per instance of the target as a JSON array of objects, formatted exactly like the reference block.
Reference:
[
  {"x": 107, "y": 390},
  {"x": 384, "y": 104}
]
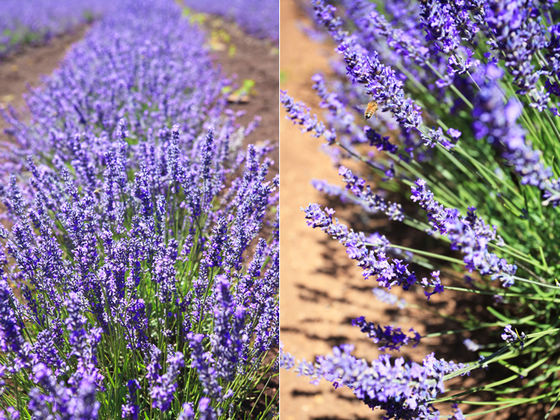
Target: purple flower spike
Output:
[
  {"x": 387, "y": 337},
  {"x": 497, "y": 122},
  {"x": 468, "y": 234},
  {"x": 374, "y": 261},
  {"x": 402, "y": 388}
]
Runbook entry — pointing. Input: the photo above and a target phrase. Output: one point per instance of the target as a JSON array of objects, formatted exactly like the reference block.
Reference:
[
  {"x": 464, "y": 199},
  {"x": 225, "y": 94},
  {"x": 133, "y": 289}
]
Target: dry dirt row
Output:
[
  {"x": 25, "y": 69},
  {"x": 320, "y": 290}
]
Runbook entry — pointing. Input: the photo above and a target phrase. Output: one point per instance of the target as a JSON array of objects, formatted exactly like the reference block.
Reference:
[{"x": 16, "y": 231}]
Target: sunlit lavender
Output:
[
  {"x": 140, "y": 261},
  {"x": 37, "y": 21}
]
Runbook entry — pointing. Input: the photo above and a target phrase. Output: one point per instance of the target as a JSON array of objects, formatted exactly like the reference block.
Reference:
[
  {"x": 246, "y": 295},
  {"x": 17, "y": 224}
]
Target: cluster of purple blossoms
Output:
[
  {"x": 497, "y": 122},
  {"x": 365, "y": 68},
  {"x": 447, "y": 25},
  {"x": 468, "y": 234},
  {"x": 510, "y": 336},
  {"x": 380, "y": 82},
  {"x": 387, "y": 337},
  {"x": 373, "y": 202},
  {"x": 387, "y": 297},
  {"x": 300, "y": 115},
  {"x": 164, "y": 386},
  {"x": 371, "y": 252},
  {"x": 516, "y": 35},
  {"x": 398, "y": 37},
  {"x": 128, "y": 269},
  {"x": 402, "y": 388},
  {"x": 118, "y": 73}
]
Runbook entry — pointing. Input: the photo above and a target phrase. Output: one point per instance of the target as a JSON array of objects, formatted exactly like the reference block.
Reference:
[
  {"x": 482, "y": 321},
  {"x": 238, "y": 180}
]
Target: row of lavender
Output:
[
  {"x": 140, "y": 263},
  {"x": 461, "y": 126},
  {"x": 30, "y": 22},
  {"x": 259, "y": 17}
]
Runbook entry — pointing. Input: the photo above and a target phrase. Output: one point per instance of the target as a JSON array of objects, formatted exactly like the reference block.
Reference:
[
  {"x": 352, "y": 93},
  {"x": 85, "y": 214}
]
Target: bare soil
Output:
[
  {"x": 25, "y": 69},
  {"x": 320, "y": 289},
  {"x": 257, "y": 60}
]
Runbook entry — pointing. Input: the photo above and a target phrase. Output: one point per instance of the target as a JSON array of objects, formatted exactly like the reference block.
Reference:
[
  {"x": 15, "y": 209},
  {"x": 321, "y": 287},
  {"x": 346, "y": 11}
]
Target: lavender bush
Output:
[
  {"x": 140, "y": 241},
  {"x": 259, "y": 18},
  {"x": 31, "y": 22},
  {"x": 453, "y": 109}
]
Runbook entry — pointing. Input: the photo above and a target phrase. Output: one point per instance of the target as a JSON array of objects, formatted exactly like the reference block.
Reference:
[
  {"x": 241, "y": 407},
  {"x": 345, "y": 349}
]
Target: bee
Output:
[{"x": 371, "y": 108}]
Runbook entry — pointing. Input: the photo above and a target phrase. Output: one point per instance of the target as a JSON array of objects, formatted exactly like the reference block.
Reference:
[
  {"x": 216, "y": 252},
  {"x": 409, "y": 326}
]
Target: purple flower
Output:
[
  {"x": 388, "y": 297},
  {"x": 205, "y": 409},
  {"x": 497, "y": 122},
  {"x": 128, "y": 230},
  {"x": 510, "y": 336},
  {"x": 387, "y": 337},
  {"x": 373, "y": 202},
  {"x": 11, "y": 339},
  {"x": 22, "y": 23},
  {"x": 187, "y": 412},
  {"x": 402, "y": 388},
  {"x": 203, "y": 362},
  {"x": 374, "y": 261},
  {"x": 471, "y": 345},
  {"x": 163, "y": 388},
  {"x": 468, "y": 234},
  {"x": 516, "y": 36},
  {"x": 300, "y": 114},
  {"x": 228, "y": 342}
]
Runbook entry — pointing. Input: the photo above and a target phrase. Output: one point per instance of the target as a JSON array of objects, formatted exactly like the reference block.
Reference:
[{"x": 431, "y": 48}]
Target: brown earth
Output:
[
  {"x": 26, "y": 67},
  {"x": 320, "y": 289},
  {"x": 254, "y": 59}
]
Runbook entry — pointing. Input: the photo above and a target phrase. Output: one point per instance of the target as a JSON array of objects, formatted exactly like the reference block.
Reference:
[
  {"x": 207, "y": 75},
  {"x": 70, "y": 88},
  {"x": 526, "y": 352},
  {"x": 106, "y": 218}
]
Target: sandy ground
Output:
[
  {"x": 320, "y": 289},
  {"x": 257, "y": 60}
]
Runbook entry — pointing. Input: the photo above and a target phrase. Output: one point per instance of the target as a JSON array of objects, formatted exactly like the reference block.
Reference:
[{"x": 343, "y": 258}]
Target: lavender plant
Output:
[
  {"x": 259, "y": 18},
  {"x": 140, "y": 241},
  {"x": 465, "y": 136}
]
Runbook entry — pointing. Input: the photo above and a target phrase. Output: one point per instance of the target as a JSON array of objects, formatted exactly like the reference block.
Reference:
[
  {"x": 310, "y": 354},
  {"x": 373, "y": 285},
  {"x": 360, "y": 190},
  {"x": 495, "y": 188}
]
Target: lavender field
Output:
[
  {"x": 258, "y": 17},
  {"x": 140, "y": 235},
  {"x": 142, "y": 143},
  {"x": 34, "y": 22}
]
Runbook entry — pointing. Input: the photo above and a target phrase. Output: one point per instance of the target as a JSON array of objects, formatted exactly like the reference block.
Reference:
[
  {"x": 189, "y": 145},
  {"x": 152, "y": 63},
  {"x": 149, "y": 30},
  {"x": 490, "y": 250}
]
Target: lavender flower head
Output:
[{"x": 402, "y": 388}]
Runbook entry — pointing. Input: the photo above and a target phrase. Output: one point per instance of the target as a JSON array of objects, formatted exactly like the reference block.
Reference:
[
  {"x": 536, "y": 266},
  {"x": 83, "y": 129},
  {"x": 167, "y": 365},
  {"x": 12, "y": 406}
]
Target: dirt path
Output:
[
  {"x": 253, "y": 59},
  {"x": 320, "y": 289},
  {"x": 26, "y": 68}
]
